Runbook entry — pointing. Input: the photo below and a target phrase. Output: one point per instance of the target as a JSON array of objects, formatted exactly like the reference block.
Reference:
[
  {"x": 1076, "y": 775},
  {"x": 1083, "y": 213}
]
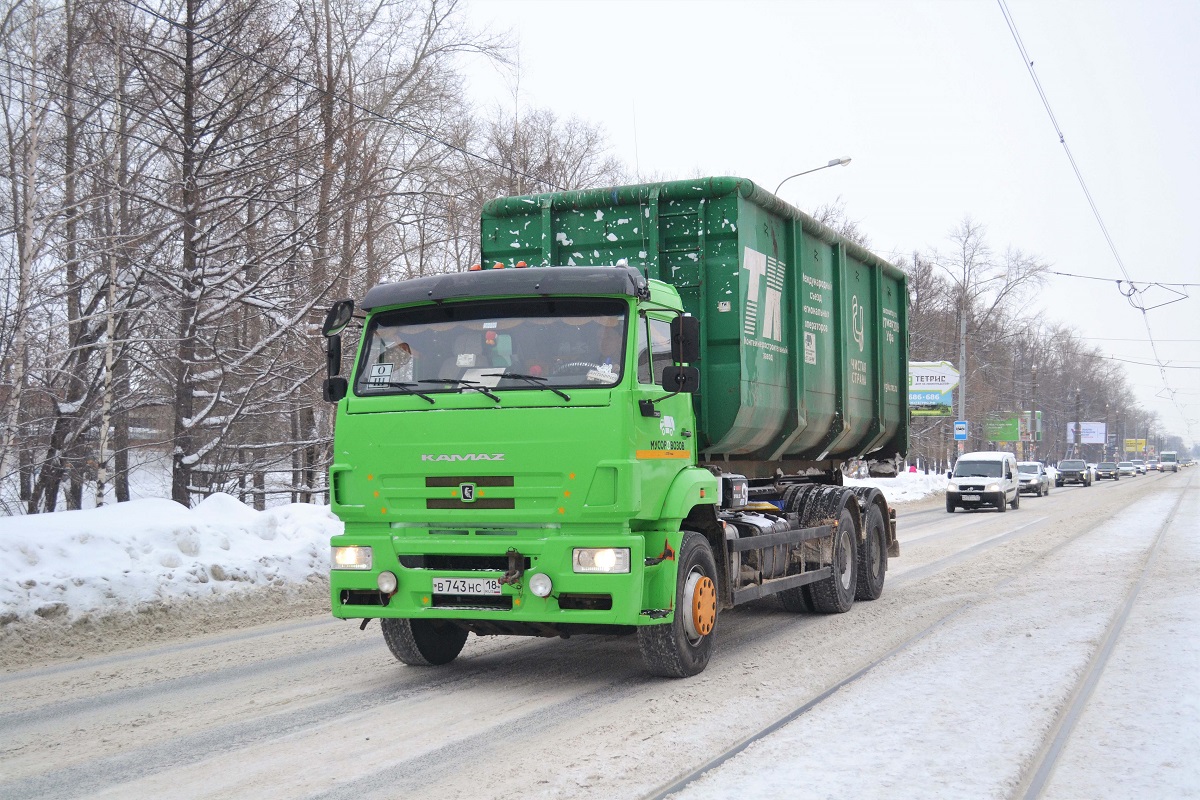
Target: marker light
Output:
[
  {"x": 474, "y": 268},
  {"x": 541, "y": 585},
  {"x": 352, "y": 557},
  {"x": 498, "y": 265},
  {"x": 521, "y": 264},
  {"x": 387, "y": 582},
  {"x": 600, "y": 559}
]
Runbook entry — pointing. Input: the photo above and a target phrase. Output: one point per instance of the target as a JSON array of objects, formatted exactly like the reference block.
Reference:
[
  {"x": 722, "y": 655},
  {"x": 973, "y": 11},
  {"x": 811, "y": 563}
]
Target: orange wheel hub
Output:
[{"x": 704, "y": 606}]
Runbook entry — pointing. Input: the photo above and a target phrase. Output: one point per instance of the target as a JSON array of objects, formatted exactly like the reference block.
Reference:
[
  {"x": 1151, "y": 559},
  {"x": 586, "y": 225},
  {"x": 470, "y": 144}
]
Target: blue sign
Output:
[{"x": 960, "y": 430}]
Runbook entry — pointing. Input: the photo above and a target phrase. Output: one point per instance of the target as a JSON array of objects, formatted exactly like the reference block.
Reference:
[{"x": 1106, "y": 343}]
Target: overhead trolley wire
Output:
[{"x": 1132, "y": 294}]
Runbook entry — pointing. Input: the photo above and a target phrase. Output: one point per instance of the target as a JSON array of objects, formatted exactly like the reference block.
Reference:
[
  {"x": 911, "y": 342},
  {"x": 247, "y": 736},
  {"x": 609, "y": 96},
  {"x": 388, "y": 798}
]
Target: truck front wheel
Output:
[
  {"x": 683, "y": 647},
  {"x": 423, "y": 642}
]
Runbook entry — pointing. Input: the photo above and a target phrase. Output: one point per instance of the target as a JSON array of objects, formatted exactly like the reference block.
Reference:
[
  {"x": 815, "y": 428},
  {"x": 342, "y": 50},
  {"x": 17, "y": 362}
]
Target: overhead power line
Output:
[{"x": 1134, "y": 294}]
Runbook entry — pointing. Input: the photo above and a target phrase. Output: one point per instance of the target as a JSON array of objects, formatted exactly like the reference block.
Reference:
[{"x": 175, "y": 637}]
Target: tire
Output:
[
  {"x": 1016, "y": 501},
  {"x": 872, "y": 555},
  {"x": 950, "y": 506},
  {"x": 835, "y": 594},
  {"x": 423, "y": 642},
  {"x": 801, "y": 500},
  {"x": 683, "y": 647}
]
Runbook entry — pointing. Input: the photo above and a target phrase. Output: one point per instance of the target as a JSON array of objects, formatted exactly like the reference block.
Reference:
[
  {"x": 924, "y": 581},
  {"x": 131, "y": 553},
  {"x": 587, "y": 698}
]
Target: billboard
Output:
[
  {"x": 931, "y": 388},
  {"x": 1090, "y": 433},
  {"x": 1004, "y": 428},
  {"x": 1135, "y": 445}
]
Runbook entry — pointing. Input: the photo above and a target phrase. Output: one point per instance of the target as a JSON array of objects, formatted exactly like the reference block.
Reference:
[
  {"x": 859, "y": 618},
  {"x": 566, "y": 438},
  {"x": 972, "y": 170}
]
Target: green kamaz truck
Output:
[{"x": 632, "y": 417}]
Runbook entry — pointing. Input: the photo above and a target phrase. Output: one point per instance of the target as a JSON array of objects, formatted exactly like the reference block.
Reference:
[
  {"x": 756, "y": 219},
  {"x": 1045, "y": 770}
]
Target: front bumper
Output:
[{"x": 418, "y": 555}]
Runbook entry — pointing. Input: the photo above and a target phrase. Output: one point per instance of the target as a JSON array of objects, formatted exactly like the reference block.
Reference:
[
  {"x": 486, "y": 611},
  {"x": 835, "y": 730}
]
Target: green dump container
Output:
[{"x": 804, "y": 355}]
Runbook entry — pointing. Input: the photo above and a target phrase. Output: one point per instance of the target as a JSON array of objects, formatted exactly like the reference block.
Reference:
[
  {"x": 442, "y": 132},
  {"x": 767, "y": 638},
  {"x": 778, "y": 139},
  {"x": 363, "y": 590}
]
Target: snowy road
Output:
[{"x": 1051, "y": 651}]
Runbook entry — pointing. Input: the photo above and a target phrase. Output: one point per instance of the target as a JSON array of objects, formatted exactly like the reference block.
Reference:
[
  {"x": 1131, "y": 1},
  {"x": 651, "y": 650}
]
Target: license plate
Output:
[
  {"x": 466, "y": 586},
  {"x": 970, "y": 497}
]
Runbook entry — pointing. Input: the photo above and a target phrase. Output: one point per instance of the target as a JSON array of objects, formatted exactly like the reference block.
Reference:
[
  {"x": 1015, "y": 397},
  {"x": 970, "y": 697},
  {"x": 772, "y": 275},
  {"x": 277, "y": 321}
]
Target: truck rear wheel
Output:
[
  {"x": 872, "y": 555},
  {"x": 683, "y": 647},
  {"x": 799, "y": 499},
  {"x": 423, "y": 642},
  {"x": 835, "y": 594}
]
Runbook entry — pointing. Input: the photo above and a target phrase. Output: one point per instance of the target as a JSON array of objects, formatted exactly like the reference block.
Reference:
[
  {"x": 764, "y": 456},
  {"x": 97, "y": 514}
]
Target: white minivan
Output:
[{"x": 984, "y": 479}]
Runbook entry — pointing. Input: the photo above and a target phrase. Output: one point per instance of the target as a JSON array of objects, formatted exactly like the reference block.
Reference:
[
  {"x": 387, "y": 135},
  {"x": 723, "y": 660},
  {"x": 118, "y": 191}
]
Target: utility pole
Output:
[
  {"x": 962, "y": 362},
  {"x": 1079, "y": 425},
  {"x": 1033, "y": 417}
]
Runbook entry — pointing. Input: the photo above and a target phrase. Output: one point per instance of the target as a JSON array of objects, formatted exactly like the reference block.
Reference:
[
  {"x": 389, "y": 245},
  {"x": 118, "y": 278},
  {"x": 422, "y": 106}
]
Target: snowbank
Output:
[
  {"x": 905, "y": 487},
  {"x": 132, "y": 556}
]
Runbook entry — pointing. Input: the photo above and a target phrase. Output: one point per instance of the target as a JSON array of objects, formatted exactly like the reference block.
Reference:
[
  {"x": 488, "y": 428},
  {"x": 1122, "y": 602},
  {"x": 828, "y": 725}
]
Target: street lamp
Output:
[{"x": 835, "y": 162}]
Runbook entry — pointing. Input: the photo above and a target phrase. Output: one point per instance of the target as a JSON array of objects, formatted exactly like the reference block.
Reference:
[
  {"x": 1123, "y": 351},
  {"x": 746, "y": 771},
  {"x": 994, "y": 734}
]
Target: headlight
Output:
[
  {"x": 600, "y": 559},
  {"x": 993, "y": 487},
  {"x": 351, "y": 557},
  {"x": 951, "y": 489}
]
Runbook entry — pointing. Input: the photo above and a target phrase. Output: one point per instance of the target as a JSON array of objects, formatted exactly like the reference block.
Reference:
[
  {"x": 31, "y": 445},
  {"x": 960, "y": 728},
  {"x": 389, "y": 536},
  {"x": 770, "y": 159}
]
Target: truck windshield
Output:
[
  {"x": 977, "y": 469},
  {"x": 524, "y": 343}
]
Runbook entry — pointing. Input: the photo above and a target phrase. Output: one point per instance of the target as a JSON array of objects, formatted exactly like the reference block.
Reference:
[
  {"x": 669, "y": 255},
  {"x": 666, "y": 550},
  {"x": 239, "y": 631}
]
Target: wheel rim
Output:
[
  {"x": 877, "y": 556},
  {"x": 845, "y": 553},
  {"x": 700, "y": 599}
]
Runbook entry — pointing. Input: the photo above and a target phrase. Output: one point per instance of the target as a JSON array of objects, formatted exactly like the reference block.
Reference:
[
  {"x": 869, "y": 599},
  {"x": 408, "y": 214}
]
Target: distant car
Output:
[
  {"x": 1140, "y": 465},
  {"x": 1034, "y": 478},
  {"x": 1107, "y": 469},
  {"x": 1073, "y": 470},
  {"x": 1126, "y": 468},
  {"x": 1152, "y": 465}
]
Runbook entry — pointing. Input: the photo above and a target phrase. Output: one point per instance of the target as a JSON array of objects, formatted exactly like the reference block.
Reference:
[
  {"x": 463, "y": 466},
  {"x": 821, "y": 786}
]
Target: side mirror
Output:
[
  {"x": 334, "y": 389},
  {"x": 333, "y": 355},
  {"x": 685, "y": 339},
  {"x": 338, "y": 317},
  {"x": 681, "y": 379}
]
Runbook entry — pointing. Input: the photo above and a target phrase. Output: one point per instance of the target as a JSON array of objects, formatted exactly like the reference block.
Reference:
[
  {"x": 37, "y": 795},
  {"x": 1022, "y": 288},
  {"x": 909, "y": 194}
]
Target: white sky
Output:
[{"x": 941, "y": 118}]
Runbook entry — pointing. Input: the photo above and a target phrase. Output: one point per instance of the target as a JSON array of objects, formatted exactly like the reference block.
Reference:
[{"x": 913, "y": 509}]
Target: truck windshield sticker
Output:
[{"x": 380, "y": 373}]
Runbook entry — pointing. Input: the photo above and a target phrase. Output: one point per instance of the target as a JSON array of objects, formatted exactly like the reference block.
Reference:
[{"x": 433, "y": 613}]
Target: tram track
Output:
[
  {"x": 1047, "y": 758},
  {"x": 1064, "y": 723}
]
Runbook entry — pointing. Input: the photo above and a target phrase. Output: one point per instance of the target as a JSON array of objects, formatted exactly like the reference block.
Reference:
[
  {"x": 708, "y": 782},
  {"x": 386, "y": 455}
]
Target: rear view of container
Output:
[{"x": 804, "y": 334}]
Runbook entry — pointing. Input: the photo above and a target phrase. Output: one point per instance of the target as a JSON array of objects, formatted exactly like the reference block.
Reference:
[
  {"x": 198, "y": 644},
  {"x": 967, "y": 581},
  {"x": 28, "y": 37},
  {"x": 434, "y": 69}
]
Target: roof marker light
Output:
[{"x": 498, "y": 265}]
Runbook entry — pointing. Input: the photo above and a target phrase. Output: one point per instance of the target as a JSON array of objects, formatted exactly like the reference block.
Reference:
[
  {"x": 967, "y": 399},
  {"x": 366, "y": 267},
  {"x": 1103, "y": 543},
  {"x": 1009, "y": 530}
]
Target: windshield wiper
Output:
[
  {"x": 404, "y": 387},
  {"x": 536, "y": 380},
  {"x": 463, "y": 384}
]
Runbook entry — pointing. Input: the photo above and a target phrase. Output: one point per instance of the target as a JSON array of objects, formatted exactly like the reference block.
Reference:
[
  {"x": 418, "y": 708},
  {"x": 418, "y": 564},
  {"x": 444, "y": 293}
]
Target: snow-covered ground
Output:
[
  {"x": 123, "y": 557},
  {"x": 127, "y": 557}
]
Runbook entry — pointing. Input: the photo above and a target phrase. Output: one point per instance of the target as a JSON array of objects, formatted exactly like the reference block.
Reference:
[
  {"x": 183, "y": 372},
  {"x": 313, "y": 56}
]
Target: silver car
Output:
[{"x": 1034, "y": 478}]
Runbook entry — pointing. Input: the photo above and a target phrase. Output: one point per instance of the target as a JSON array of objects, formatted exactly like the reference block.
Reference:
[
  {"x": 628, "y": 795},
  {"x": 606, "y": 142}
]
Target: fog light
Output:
[
  {"x": 540, "y": 585},
  {"x": 600, "y": 559},
  {"x": 386, "y": 582},
  {"x": 352, "y": 557}
]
